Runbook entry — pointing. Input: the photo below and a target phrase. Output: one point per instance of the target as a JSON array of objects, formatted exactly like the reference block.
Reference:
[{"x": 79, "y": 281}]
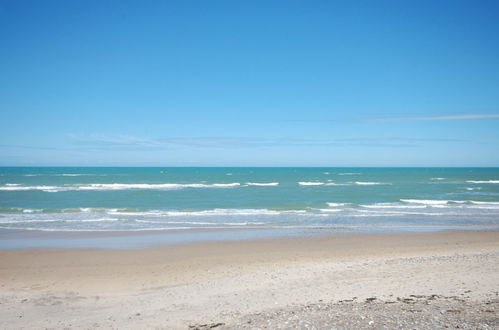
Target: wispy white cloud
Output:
[
  {"x": 419, "y": 118},
  {"x": 127, "y": 142}
]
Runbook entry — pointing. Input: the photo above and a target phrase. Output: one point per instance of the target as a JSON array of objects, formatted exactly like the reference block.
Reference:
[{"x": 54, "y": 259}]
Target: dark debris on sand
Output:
[{"x": 413, "y": 312}]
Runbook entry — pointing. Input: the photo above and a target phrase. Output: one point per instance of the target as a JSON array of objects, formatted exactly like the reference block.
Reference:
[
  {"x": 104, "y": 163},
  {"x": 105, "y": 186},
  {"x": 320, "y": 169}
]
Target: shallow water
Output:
[{"x": 56, "y": 199}]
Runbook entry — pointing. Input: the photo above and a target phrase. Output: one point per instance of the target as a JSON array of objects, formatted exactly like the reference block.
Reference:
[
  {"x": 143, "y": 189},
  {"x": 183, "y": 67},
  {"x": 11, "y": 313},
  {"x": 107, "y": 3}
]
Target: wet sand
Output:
[{"x": 224, "y": 282}]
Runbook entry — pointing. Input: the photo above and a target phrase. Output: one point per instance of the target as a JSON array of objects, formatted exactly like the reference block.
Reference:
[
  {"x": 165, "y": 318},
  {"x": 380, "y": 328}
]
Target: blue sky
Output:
[{"x": 249, "y": 83}]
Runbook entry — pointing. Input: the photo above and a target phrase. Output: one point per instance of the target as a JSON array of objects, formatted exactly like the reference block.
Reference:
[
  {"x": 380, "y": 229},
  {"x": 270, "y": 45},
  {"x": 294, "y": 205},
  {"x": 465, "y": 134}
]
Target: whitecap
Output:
[
  {"x": 330, "y": 210},
  {"x": 221, "y": 185},
  {"x": 93, "y": 220},
  {"x": 120, "y": 186},
  {"x": 217, "y": 212},
  {"x": 23, "y": 188},
  {"x": 483, "y": 181},
  {"x": 330, "y": 183},
  {"x": 212, "y": 212},
  {"x": 263, "y": 184},
  {"x": 431, "y": 202},
  {"x": 484, "y": 203},
  {"x": 334, "y": 204},
  {"x": 310, "y": 183},
  {"x": 392, "y": 206},
  {"x": 394, "y": 213}
]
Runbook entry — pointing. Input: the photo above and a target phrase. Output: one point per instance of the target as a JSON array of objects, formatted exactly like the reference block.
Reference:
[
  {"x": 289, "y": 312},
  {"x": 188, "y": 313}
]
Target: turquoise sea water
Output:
[{"x": 56, "y": 199}]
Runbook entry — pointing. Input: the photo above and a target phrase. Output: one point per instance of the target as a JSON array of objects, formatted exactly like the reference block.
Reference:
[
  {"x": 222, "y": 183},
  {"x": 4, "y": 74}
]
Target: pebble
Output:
[{"x": 444, "y": 312}]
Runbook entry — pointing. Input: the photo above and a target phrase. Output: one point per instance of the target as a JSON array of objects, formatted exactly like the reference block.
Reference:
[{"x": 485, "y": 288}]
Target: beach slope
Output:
[{"x": 276, "y": 283}]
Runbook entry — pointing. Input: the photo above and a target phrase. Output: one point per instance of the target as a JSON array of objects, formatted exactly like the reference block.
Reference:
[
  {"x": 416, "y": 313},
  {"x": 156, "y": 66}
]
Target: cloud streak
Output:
[
  {"x": 427, "y": 118},
  {"x": 140, "y": 143}
]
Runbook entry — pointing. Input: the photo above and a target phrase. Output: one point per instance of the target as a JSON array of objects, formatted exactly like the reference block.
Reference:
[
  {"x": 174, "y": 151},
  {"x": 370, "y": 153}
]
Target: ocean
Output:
[{"x": 119, "y": 199}]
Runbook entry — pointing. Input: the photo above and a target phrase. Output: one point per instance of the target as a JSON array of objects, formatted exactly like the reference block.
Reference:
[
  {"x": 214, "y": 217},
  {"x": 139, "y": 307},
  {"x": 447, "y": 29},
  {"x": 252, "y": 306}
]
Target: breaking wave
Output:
[
  {"x": 118, "y": 186},
  {"x": 263, "y": 184},
  {"x": 482, "y": 181},
  {"x": 310, "y": 183}
]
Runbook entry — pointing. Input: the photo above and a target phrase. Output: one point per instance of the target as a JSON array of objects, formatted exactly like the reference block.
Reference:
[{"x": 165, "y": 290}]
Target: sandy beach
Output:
[{"x": 307, "y": 282}]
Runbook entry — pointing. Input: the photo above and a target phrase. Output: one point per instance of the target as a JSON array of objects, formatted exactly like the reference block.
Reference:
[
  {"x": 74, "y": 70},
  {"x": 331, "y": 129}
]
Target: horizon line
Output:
[{"x": 256, "y": 166}]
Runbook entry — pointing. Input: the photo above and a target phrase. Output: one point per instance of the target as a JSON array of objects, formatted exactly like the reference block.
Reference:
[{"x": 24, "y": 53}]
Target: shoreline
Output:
[
  {"x": 12, "y": 239},
  {"x": 179, "y": 285}
]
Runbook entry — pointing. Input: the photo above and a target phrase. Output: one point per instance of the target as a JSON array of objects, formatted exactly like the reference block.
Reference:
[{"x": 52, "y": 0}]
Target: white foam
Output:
[
  {"x": 431, "y": 202},
  {"x": 392, "y": 206},
  {"x": 394, "y": 213},
  {"x": 330, "y": 210},
  {"x": 243, "y": 223},
  {"x": 16, "y": 221},
  {"x": 484, "y": 203},
  {"x": 336, "y": 204},
  {"x": 93, "y": 220},
  {"x": 294, "y": 212},
  {"x": 263, "y": 184},
  {"x": 437, "y": 179},
  {"x": 213, "y": 212},
  {"x": 484, "y": 181},
  {"x": 484, "y": 207},
  {"x": 373, "y": 215},
  {"x": 197, "y": 223},
  {"x": 216, "y": 212},
  {"x": 416, "y": 213},
  {"x": 368, "y": 183},
  {"x": 91, "y": 209},
  {"x": 178, "y": 222},
  {"x": 475, "y": 188},
  {"x": 222, "y": 185},
  {"x": 143, "y": 213},
  {"x": 310, "y": 183},
  {"x": 23, "y": 188},
  {"x": 121, "y": 186},
  {"x": 12, "y": 184},
  {"x": 97, "y": 230}
]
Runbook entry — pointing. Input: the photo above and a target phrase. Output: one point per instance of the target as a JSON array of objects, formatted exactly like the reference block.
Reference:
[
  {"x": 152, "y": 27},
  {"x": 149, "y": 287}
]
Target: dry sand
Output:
[{"x": 241, "y": 282}]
